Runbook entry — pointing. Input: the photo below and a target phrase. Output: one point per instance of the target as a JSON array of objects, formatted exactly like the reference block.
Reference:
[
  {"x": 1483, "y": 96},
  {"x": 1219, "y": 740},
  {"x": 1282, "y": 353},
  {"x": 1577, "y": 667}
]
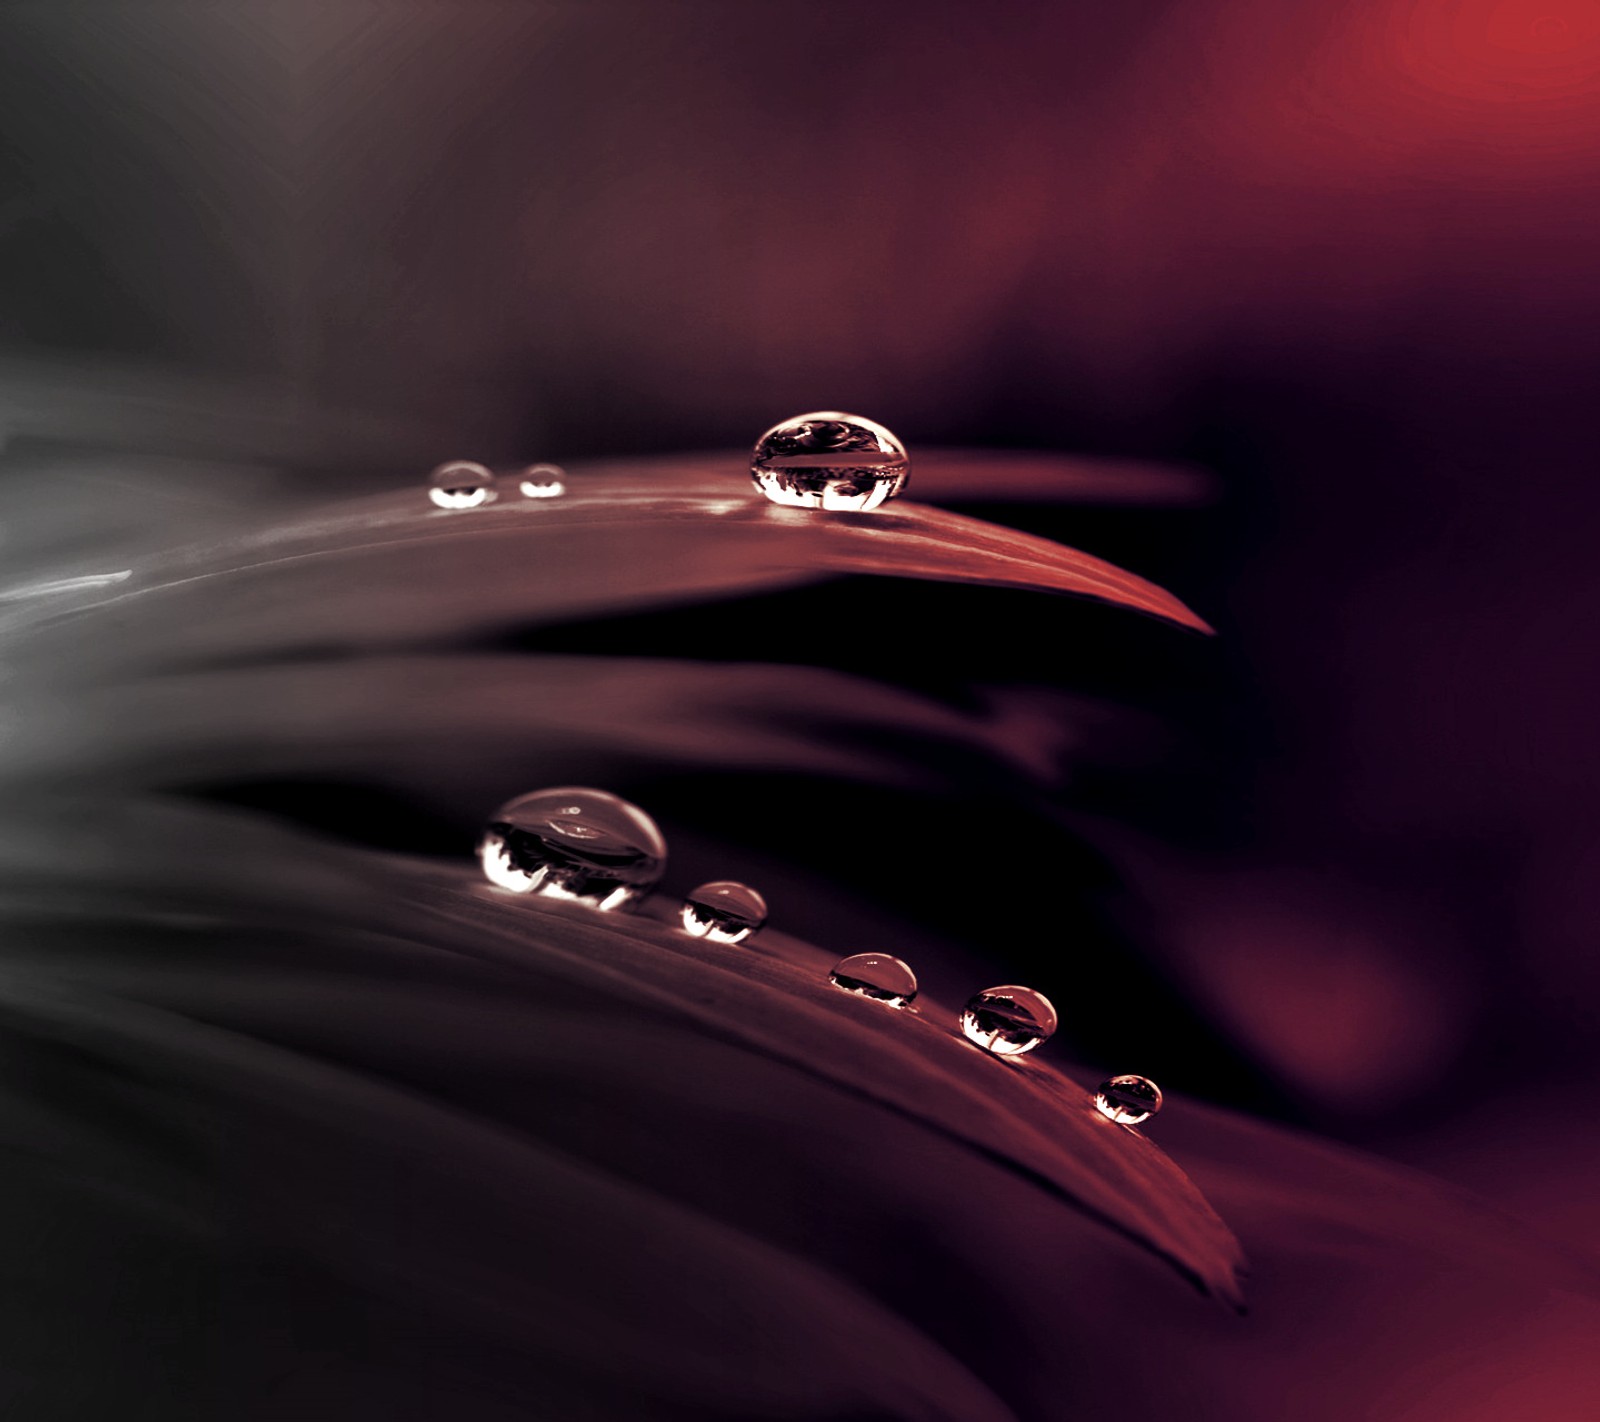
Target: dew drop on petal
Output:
[
  {"x": 1128, "y": 1100},
  {"x": 876, "y": 975},
  {"x": 543, "y": 481},
  {"x": 461, "y": 484},
  {"x": 1008, "y": 1020},
  {"x": 828, "y": 460},
  {"x": 574, "y": 843},
  {"x": 724, "y": 912}
]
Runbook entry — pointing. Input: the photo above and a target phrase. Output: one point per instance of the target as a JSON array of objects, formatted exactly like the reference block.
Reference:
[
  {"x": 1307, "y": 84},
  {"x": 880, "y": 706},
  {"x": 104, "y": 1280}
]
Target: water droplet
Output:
[
  {"x": 461, "y": 484},
  {"x": 543, "y": 481},
  {"x": 1128, "y": 1100},
  {"x": 1008, "y": 1020},
  {"x": 574, "y": 843},
  {"x": 827, "y": 460},
  {"x": 876, "y": 975},
  {"x": 724, "y": 912}
]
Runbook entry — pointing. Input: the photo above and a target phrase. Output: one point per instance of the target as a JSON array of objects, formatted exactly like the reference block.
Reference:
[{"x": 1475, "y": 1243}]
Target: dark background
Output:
[{"x": 1342, "y": 256}]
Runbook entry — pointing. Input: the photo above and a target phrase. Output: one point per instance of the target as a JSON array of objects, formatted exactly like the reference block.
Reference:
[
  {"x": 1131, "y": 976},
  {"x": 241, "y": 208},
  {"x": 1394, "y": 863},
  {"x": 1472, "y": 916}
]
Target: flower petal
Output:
[
  {"x": 389, "y": 572},
  {"x": 459, "y": 728},
  {"x": 914, "y": 1067}
]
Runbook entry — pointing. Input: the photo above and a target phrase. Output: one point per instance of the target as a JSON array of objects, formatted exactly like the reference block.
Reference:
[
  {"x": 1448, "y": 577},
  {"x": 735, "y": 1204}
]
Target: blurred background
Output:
[{"x": 1340, "y": 866}]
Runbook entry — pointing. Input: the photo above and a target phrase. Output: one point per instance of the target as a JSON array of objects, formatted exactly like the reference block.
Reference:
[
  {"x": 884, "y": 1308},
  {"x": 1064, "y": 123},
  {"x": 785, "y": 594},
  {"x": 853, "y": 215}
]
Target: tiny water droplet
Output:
[
  {"x": 876, "y": 975},
  {"x": 1008, "y": 1020},
  {"x": 461, "y": 484},
  {"x": 724, "y": 912},
  {"x": 828, "y": 460},
  {"x": 1128, "y": 1100},
  {"x": 574, "y": 843},
  {"x": 543, "y": 481}
]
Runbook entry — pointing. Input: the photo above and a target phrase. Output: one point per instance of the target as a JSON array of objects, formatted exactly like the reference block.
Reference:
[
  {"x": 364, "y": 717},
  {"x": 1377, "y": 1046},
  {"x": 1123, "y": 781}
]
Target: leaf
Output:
[
  {"x": 540, "y": 1276},
  {"x": 1320, "y": 1195},
  {"x": 907, "y": 1064},
  {"x": 72, "y": 515},
  {"x": 460, "y": 728},
  {"x": 604, "y": 1168},
  {"x": 600, "y": 1166},
  {"x": 389, "y": 572},
  {"x": 440, "y": 1152}
]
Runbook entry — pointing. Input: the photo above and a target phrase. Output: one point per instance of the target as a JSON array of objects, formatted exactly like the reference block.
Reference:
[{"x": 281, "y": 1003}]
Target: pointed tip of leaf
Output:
[{"x": 977, "y": 551}]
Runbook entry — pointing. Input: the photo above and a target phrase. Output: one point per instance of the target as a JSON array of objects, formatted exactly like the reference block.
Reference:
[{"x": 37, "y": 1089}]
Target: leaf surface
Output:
[
  {"x": 913, "y": 1065},
  {"x": 391, "y": 571}
]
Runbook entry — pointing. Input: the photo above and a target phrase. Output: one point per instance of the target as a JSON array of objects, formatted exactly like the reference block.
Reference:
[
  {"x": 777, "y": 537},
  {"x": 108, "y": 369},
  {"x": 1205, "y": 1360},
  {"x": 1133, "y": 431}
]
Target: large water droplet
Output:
[
  {"x": 876, "y": 975},
  {"x": 543, "y": 481},
  {"x": 1128, "y": 1100},
  {"x": 574, "y": 843},
  {"x": 724, "y": 912},
  {"x": 461, "y": 484},
  {"x": 1008, "y": 1020},
  {"x": 828, "y": 460}
]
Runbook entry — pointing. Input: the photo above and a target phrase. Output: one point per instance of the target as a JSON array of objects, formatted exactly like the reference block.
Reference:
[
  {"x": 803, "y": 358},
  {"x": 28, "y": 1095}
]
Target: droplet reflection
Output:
[
  {"x": 574, "y": 843},
  {"x": 828, "y": 460},
  {"x": 876, "y": 975},
  {"x": 461, "y": 484},
  {"x": 1128, "y": 1100},
  {"x": 543, "y": 481},
  {"x": 1008, "y": 1020},
  {"x": 723, "y": 911}
]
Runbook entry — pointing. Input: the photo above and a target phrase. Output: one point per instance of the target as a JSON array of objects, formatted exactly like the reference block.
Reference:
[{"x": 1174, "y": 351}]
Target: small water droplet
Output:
[
  {"x": 876, "y": 975},
  {"x": 574, "y": 843},
  {"x": 1128, "y": 1100},
  {"x": 543, "y": 481},
  {"x": 461, "y": 484},
  {"x": 828, "y": 460},
  {"x": 724, "y": 912},
  {"x": 1008, "y": 1020}
]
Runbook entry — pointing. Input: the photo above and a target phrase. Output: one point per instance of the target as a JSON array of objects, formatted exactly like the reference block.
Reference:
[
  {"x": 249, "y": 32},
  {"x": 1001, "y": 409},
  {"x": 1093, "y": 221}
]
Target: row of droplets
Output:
[
  {"x": 822, "y": 460},
  {"x": 593, "y": 847},
  {"x": 461, "y": 484}
]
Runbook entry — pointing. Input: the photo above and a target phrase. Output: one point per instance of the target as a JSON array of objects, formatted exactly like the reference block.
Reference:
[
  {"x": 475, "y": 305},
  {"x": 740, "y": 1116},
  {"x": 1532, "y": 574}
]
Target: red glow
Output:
[
  {"x": 1456, "y": 90},
  {"x": 1498, "y": 49}
]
